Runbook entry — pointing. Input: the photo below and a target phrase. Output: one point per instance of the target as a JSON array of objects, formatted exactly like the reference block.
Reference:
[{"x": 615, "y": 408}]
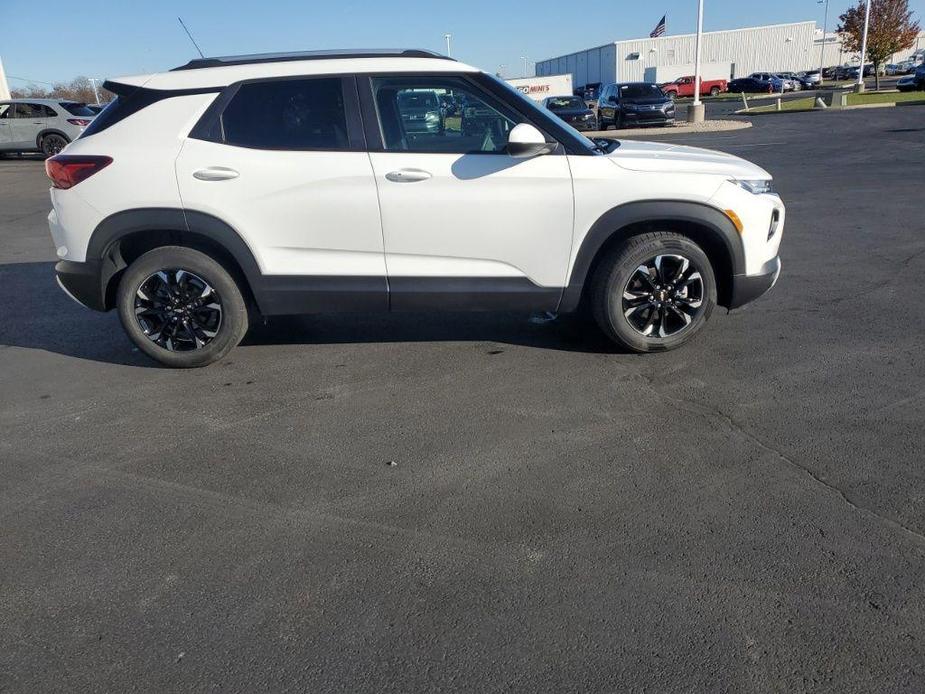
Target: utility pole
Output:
[
  {"x": 825, "y": 26},
  {"x": 864, "y": 47},
  {"x": 448, "y": 37},
  {"x": 696, "y": 112}
]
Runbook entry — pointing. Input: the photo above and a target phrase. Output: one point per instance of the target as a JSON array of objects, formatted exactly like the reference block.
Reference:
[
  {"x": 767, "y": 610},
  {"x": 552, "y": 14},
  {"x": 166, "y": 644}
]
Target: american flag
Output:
[{"x": 659, "y": 28}]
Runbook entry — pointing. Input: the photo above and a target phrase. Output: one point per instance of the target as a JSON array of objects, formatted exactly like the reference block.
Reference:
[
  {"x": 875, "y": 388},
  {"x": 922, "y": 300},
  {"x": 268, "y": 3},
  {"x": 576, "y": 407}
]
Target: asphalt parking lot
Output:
[{"x": 745, "y": 514}]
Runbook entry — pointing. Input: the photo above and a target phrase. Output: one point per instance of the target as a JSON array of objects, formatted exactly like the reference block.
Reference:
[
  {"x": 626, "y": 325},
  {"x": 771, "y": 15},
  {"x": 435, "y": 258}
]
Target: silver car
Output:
[{"x": 41, "y": 125}]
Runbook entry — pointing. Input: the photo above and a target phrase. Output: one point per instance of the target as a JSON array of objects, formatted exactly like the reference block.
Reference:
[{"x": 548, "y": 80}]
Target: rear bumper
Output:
[
  {"x": 747, "y": 288},
  {"x": 82, "y": 282}
]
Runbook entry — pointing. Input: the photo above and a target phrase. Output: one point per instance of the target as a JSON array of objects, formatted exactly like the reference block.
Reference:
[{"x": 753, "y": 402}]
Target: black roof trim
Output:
[{"x": 200, "y": 63}]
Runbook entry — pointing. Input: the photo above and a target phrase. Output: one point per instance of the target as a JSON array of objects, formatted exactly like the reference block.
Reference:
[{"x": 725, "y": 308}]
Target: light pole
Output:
[
  {"x": 501, "y": 70},
  {"x": 864, "y": 47},
  {"x": 825, "y": 26},
  {"x": 96, "y": 92},
  {"x": 524, "y": 58},
  {"x": 448, "y": 37},
  {"x": 696, "y": 112}
]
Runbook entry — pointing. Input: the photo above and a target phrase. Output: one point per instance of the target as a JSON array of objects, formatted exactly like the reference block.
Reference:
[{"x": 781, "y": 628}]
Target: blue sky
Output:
[{"x": 100, "y": 38}]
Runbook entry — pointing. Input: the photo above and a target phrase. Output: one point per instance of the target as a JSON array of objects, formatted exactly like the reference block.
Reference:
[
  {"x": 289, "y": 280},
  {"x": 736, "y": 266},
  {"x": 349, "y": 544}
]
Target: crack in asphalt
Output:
[{"x": 699, "y": 408}]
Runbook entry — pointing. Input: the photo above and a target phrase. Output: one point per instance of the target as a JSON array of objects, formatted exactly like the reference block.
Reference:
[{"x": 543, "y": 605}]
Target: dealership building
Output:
[{"x": 724, "y": 55}]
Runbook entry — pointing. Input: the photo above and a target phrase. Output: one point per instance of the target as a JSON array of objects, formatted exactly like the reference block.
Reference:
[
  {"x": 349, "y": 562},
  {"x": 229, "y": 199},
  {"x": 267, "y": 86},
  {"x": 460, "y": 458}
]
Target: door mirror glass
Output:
[{"x": 525, "y": 140}]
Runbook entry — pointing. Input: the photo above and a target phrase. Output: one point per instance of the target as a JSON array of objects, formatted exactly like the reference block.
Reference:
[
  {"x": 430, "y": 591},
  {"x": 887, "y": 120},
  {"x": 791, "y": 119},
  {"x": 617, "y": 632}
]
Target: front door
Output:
[
  {"x": 6, "y": 133},
  {"x": 284, "y": 164},
  {"x": 465, "y": 225}
]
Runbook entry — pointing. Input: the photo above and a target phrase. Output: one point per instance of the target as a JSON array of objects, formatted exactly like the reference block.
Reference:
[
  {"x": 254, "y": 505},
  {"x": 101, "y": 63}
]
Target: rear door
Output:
[
  {"x": 465, "y": 224},
  {"x": 28, "y": 121},
  {"x": 283, "y": 162}
]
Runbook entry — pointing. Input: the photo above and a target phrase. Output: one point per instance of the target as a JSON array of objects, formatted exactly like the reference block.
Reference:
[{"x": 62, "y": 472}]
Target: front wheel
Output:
[
  {"x": 181, "y": 307},
  {"x": 654, "y": 292}
]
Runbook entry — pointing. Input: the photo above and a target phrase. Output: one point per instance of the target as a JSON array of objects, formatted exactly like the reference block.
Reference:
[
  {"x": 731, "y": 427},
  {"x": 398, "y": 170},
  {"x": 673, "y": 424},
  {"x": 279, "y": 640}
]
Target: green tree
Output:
[{"x": 891, "y": 29}]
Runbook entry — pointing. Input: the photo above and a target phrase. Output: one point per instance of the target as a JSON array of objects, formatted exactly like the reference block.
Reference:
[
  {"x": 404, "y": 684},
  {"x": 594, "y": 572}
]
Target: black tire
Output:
[
  {"x": 52, "y": 143},
  {"x": 165, "y": 335},
  {"x": 618, "y": 272},
  {"x": 714, "y": 91}
]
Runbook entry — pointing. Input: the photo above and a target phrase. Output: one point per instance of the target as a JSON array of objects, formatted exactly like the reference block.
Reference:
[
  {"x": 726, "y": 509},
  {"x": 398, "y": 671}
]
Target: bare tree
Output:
[
  {"x": 892, "y": 29},
  {"x": 79, "y": 89}
]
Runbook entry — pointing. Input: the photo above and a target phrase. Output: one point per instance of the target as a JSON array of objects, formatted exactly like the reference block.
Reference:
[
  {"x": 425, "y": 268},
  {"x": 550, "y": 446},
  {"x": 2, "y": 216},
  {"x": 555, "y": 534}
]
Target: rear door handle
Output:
[
  {"x": 408, "y": 175},
  {"x": 215, "y": 173}
]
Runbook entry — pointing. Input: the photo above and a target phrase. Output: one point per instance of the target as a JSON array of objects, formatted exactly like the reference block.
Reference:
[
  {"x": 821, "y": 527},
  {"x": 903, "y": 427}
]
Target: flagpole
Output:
[{"x": 696, "y": 115}]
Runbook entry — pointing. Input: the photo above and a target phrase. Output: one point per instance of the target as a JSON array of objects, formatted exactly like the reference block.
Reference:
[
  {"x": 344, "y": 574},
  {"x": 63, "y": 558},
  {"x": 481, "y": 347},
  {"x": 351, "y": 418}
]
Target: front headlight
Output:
[{"x": 758, "y": 186}]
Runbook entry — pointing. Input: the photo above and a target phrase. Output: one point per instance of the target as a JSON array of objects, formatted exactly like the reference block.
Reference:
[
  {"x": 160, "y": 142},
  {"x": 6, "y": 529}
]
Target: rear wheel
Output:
[
  {"x": 654, "y": 292},
  {"x": 52, "y": 144},
  {"x": 714, "y": 91},
  {"x": 180, "y": 307}
]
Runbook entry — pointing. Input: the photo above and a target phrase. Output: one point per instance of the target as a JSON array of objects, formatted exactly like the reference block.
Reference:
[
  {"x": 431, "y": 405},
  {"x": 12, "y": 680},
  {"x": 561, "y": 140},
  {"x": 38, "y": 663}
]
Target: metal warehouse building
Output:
[{"x": 725, "y": 54}]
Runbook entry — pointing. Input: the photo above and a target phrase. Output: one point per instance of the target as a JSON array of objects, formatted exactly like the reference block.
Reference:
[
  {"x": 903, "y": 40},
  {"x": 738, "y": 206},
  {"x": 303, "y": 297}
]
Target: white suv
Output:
[
  {"x": 304, "y": 183},
  {"x": 41, "y": 125}
]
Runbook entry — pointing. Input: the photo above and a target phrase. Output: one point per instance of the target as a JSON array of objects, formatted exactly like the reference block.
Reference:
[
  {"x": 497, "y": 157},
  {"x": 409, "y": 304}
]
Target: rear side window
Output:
[
  {"x": 76, "y": 109},
  {"x": 290, "y": 114}
]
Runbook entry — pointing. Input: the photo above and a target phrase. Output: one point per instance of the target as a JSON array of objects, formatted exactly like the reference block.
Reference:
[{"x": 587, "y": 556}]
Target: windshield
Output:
[
  {"x": 418, "y": 100},
  {"x": 640, "y": 91},
  {"x": 561, "y": 103}
]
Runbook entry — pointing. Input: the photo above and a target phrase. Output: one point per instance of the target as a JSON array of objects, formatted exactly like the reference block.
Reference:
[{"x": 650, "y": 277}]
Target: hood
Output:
[
  {"x": 647, "y": 101},
  {"x": 655, "y": 157}
]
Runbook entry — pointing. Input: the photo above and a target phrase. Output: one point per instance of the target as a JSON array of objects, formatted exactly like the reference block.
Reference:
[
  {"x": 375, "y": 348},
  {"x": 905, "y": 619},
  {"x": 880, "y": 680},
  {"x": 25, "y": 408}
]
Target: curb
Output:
[{"x": 710, "y": 126}]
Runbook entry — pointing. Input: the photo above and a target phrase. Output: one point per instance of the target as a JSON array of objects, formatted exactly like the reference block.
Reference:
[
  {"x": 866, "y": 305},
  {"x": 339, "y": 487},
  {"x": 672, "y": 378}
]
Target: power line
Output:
[{"x": 23, "y": 79}]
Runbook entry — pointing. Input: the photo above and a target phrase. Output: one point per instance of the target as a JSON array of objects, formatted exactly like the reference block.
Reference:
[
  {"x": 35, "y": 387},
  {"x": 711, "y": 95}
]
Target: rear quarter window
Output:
[{"x": 77, "y": 109}]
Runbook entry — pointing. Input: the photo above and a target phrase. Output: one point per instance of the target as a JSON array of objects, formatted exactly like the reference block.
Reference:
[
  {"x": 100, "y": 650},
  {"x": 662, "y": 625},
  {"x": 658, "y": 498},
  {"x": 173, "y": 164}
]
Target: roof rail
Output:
[{"x": 200, "y": 63}]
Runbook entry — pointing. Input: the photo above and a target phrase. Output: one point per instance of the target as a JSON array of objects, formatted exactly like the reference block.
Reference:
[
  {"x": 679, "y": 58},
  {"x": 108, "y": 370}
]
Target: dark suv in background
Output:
[
  {"x": 634, "y": 103},
  {"x": 573, "y": 110}
]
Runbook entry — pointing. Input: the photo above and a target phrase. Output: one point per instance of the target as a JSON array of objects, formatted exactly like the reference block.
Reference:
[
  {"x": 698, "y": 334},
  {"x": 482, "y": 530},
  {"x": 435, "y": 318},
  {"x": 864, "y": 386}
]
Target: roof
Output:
[
  {"x": 28, "y": 100},
  {"x": 215, "y": 73},
  {"x": 199, "y": 63}
]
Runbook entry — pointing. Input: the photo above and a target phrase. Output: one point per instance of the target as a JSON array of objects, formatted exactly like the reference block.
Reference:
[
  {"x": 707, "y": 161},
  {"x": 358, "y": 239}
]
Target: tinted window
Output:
[
  {"x": 412, "y": 120},
  {"x": 28, "y": 111},
  {"x": 76, "y": 109},
  {"x": 287, "y": 114},
  {"x": 640, "y": 91},
  {"x": 565, "y": 102}
]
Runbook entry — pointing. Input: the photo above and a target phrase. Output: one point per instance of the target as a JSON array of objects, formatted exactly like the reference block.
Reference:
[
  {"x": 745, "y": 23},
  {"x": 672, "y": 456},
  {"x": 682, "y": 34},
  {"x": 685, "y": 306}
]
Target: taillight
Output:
[
  {"x": 67, "y": 170},
  {"x": 82, "y": 122}
]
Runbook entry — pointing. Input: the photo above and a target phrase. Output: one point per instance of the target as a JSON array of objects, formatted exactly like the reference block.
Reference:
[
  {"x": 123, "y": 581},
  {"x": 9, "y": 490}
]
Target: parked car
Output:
[
  {"x": 634, "y": 103},
  {"x": 919, "y": 76},
  {"x": 421, "y": 111},
  {"x": 278, "y": 185},
  {"x": 750, "y": 85},
  {"x": 795, "y": 82},
  {"x": 778, "y": 84},
  {"x": 906, "y": 83},
  {"x": 590, "y": 94},
  {"x": 811, "y": 79},
  {"x": 573, "y": 110},
  {"x": 684, "y": 86},
  {"x": 41, "y": 125}
]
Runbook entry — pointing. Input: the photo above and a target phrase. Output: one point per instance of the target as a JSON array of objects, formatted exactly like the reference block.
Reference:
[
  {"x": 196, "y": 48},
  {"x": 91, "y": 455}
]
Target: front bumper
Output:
[
  {"x": 82, "y": 282},
  {"x": 747, "y": 288},
  {"x": 647, "y": 117}
]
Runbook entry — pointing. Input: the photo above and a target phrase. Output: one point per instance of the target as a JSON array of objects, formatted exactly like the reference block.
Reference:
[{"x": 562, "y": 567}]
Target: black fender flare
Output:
[
  {"x": 103, "y": 245},
  {"x": 617, "y": 220}
]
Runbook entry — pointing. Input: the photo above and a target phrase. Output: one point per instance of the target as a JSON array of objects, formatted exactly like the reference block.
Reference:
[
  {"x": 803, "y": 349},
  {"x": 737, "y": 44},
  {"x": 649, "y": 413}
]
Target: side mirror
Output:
[{"x": 526, "y": 141}]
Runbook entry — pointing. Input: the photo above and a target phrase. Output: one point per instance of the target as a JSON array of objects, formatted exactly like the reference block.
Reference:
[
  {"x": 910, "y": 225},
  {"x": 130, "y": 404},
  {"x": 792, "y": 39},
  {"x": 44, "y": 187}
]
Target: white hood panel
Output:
[{"x": 654, "y": 157}]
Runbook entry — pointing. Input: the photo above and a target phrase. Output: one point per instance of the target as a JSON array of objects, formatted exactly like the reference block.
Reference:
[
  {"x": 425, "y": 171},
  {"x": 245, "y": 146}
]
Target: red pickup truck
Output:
[{"x": 684, "y": 86}]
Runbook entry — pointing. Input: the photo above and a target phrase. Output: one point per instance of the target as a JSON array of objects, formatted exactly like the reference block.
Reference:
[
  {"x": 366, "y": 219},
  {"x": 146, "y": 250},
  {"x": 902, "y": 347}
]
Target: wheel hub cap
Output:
[
  {"x": 663, "y": 296},
  {"x": 178, "y": 310}
]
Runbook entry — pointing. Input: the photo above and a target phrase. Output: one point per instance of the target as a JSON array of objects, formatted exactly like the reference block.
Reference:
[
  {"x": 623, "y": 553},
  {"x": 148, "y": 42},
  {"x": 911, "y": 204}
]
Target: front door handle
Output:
[
  {"x": 408, "y": 175},
  {"x": 215, "y": 173}
]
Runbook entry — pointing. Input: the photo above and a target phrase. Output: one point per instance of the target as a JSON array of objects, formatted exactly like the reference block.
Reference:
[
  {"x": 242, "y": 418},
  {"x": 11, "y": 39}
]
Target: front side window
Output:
[
  {"x": 439, "y": 115},
  {"x": 288, "y": 114}
]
